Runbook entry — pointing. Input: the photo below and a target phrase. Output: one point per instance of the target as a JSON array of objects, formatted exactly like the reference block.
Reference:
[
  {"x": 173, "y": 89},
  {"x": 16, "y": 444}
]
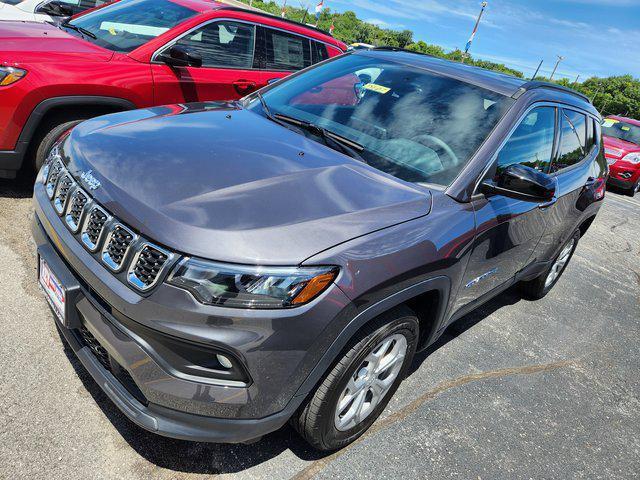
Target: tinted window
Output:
[
  {"x": 573, "y": 140},
  {"x": 223, "y": 44},
  {"x": 128, "y": 24},
  {"x": 412, "y": 124},
  {"x": 286, "y": 51},
  {"x": 531, "y": 144}
]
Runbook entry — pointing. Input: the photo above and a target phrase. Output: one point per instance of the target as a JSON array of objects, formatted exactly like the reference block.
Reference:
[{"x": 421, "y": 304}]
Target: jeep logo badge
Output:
[{"x": 91, "y": 181}]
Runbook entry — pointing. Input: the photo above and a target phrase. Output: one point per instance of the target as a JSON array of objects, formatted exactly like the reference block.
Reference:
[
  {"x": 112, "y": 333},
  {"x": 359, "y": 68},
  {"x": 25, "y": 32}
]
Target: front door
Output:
[
  {"x": 508, "y": 230},
  {"x": 229, "y": 67}
]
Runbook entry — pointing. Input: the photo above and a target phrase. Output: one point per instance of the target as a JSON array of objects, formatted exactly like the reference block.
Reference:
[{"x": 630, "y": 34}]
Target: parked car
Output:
[
  {"x": 44, "y": 11},
  {"x": 622, "y": 148},
  {"x": 223, "y": 268},
  {"x": 138, "y": 53}
]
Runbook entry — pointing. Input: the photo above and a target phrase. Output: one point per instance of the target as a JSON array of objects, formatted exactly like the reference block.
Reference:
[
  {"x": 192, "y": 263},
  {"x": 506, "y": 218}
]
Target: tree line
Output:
[{"x": 619, "y": 95}]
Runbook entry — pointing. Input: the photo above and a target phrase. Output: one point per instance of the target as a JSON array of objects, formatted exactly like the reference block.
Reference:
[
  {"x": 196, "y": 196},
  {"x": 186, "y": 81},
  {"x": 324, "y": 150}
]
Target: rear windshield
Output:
[
  {"x": 413, "y": 124},
  {"x": 621, "y": 130},
  {"x": 128, "y": 24}
]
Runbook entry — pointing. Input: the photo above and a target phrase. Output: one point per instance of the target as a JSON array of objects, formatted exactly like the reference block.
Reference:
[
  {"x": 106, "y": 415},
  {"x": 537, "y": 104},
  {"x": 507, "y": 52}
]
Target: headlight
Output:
[
  {"x": 632, "y": 157},
  {"x": 240, "y": 286},
  {"x": 9, "y": 75}
]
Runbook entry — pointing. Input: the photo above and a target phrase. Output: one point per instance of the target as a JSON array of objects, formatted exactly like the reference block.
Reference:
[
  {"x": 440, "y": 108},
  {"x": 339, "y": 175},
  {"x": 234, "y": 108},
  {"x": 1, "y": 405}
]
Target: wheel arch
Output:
[
  {"x": 57, "y": 106},
  {"x": 427, "y": 299}
]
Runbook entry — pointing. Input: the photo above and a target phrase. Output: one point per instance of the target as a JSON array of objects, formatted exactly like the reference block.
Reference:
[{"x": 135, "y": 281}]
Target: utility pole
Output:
[
  {"x": 560, "y": 58},
  {"x": 473, "y": 33},
  {"x": 537, "y": 70}
]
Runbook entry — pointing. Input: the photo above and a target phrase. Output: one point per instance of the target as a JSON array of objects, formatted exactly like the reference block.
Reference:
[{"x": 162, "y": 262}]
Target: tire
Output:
[
  {"x": 538, "y": 287},
  {"x": 318, "y": 420},
  {"x": 633, "y": 190},
  {"x": 44, "y": 140}
]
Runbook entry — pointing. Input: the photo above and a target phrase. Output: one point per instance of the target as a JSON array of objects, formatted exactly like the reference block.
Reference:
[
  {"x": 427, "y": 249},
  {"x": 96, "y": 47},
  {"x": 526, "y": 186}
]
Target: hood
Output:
[
  {"x": 34, "y": 42},
  {"x": 223, "y": 183},
  {"x": 618, "y": 148}
]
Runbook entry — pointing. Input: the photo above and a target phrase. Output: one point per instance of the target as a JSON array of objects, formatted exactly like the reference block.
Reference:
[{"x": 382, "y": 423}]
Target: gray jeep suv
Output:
[{"x": 223, "y": 268}]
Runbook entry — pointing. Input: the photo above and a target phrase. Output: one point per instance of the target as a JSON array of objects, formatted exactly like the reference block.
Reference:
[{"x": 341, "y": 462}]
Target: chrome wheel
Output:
[
  {"x": 560, "y": 263},
  {"x": 370, "y": 383}
]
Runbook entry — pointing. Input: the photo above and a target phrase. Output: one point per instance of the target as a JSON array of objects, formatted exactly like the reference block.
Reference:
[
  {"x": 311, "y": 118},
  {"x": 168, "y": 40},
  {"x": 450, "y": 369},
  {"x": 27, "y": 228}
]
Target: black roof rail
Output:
[
  {"x": 533, "y": 84},
  {"x": 259, "y": 13}
]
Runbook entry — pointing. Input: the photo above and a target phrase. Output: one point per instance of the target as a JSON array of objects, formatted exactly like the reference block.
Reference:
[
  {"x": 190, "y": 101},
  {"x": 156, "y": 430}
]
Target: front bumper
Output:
[{"x": 277, "y": 353}]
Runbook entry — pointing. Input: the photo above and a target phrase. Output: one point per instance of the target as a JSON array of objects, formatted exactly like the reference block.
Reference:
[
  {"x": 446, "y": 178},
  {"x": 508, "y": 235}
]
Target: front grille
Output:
[
  {"x": 117, "y": 246},
  {"x": 62, "y": 193},
  {"x": 55, "y": 170},
  {"x": 75, "y": 209},
  {"x": 147, "y": 265},
  {"x": 93, "y": 228},
  {"x": 98, "y": 350},
  {"x": 133, "y": 260}
]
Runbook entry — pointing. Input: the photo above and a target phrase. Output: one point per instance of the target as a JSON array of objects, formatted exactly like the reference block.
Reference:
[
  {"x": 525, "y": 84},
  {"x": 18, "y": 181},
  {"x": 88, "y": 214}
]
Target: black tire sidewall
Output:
[
  {"x": 46, "y": 143},
  {"x": 407, "y": 326}
]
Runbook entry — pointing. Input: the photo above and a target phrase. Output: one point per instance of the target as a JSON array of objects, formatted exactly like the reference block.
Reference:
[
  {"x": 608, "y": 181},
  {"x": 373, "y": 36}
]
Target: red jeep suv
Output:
[
  {"x": 135, "y": 54},
  {"x": 622, "y": 148}
]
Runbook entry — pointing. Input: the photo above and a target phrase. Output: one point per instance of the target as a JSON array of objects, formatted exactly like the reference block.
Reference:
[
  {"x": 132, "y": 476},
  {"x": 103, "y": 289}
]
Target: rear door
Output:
[
  {"x": 508, "y": 230},
  {"x": 573, "y": 166},
  {"x": 230, "y": 67}
]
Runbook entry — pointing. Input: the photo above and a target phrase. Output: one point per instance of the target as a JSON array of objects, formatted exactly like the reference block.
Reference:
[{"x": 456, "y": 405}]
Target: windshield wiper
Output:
[
  {"x": 330, "y": 138},
  {"x": 82, "y": 31}
]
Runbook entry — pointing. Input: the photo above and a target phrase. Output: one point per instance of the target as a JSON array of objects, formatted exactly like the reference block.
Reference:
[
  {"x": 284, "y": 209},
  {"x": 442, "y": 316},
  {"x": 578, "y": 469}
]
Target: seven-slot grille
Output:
[
  {"x": 96, "y": 229},
  {"x": 76, "y": 206},
  {"x": 146, "y": 266},
  {"x": 117, "y": 246}
]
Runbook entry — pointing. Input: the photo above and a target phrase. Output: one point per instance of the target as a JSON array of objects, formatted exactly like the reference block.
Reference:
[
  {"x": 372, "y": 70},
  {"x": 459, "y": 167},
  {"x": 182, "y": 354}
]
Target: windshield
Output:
[
  {"x": 410, "y": 123},
  {"x": 621, "y": 130},
  {"x": 128, "y": 24}
]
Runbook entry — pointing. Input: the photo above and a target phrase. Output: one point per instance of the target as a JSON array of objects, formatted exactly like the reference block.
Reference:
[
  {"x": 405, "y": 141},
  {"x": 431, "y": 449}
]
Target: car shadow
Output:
[
  {"x": 209, "y": 458},
  {"x": 19, "y": 187}
]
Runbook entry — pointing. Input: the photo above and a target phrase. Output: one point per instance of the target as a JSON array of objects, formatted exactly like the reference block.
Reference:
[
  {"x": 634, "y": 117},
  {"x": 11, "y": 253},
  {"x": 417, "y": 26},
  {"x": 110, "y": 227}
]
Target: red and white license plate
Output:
[{"x": 56, "y": 294}]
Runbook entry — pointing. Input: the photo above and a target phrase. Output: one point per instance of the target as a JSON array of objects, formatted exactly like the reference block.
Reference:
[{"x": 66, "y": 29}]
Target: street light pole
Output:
[
  {"x": 537, "y": 70},
  {"x": 473, "y": 33},
  {"x": 560, "y": 58}
]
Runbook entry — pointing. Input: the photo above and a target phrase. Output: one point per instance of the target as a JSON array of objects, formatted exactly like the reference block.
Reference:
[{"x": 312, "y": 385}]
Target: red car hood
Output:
[
  {"x": 33, "y": 42},
  {"x": 616, "y": 148}
]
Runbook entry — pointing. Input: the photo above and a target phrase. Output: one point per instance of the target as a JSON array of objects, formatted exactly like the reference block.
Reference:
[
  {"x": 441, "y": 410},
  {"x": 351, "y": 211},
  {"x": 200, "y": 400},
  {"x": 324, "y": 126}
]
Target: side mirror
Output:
[
  {"x": 180, "y": 56},
  {"x": 522, "y": 182},
  {"x": 56, "y": 9}
]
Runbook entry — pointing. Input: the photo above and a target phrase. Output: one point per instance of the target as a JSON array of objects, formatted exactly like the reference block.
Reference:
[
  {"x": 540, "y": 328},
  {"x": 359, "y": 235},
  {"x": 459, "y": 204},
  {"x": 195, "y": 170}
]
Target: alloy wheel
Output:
[
  {"x": 559, "y": 264},
  {"x": 370, "y": 382}
]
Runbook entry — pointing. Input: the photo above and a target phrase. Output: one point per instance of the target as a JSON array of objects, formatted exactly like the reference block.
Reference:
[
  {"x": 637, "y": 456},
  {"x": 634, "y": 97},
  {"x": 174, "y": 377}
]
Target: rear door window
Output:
[
  {"x": 319, "y": 52},
  {"x": 573, "y": 140},
  {"x": 285, "y": 51},
  {"x": 223, "y": 44}
]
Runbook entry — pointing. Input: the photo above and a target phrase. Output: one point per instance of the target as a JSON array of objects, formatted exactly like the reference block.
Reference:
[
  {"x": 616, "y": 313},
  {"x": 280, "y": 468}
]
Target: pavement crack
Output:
[
  {"x": 318, "y": 465},
  {"x": 623, "y": 222}
]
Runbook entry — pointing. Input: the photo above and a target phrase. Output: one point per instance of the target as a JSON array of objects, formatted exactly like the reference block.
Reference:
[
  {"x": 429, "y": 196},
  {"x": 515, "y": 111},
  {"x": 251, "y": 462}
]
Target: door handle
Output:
[
  {"x": 549, "y": 203},
  {"x": 244, "y": 86},
  {"x": 591, "y": 181}
]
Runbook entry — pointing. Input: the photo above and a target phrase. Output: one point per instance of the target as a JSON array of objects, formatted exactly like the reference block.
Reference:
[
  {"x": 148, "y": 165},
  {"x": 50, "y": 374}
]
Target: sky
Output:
[{"x": 595, "y": 37}]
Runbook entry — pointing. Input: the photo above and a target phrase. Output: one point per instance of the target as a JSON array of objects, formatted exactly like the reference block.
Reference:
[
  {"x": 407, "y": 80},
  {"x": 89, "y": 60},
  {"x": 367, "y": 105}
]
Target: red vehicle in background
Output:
[
  {"x": 622, "y": 148},
  {"x": 136, "y": 54}
]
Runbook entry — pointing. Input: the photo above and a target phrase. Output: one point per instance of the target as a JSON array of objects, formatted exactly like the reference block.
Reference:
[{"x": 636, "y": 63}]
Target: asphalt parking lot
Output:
[{"x": 518, "y": 389}]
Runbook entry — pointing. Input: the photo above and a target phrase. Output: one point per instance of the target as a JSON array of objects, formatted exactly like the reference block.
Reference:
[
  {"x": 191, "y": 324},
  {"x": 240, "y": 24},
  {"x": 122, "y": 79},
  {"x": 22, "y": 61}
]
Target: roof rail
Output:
[
  {"x": 533, "y": 84},
  {"x": 230, "y": 8}
]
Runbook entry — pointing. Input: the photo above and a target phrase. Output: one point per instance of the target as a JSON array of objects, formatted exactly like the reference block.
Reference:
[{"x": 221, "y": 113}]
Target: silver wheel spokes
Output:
[
  {"x": 560, "y": 263},
  {"x": 371, "y": 381}
]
